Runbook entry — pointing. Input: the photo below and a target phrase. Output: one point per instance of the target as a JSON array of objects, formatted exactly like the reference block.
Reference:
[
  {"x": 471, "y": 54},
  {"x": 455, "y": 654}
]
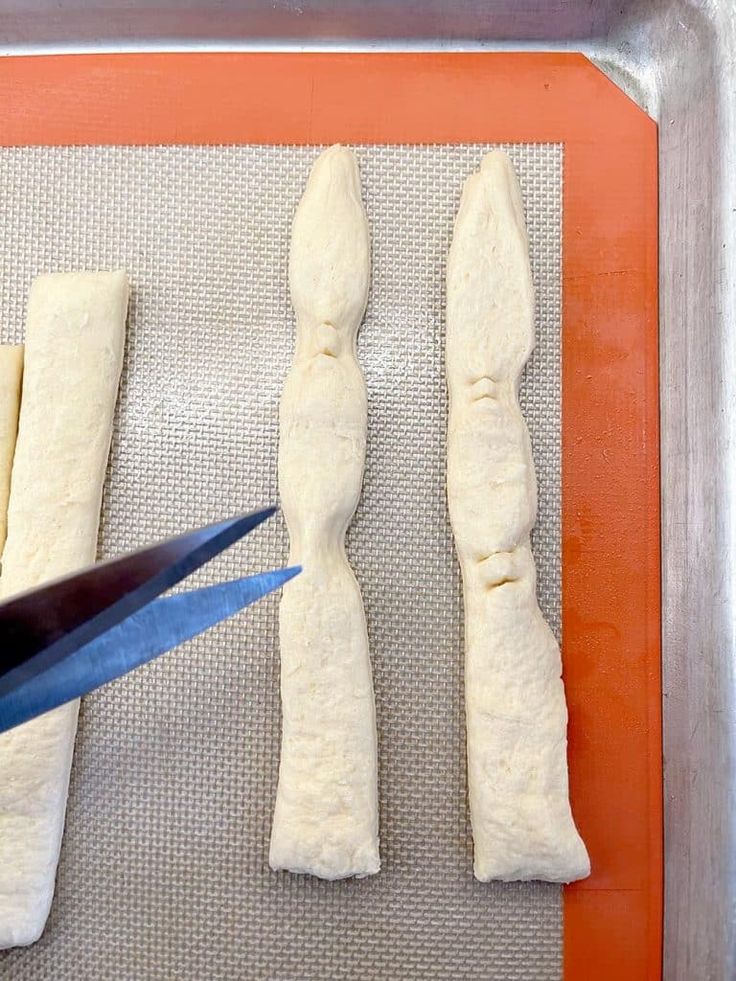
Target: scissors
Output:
[{"x": 72, "y": 635}]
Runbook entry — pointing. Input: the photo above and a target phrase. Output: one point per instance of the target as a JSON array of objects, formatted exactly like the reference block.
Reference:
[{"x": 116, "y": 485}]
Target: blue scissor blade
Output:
[{"x": 151, "y": 631}]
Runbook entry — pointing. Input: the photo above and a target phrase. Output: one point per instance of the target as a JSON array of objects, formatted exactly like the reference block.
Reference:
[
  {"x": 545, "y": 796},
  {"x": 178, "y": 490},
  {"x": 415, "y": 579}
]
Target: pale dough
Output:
[
  {"x": 516, "y": 714},
  {"x": 326, "y": 814},
  {"x": 73, "y": 356},
  {"x": 11, "y": 374}
]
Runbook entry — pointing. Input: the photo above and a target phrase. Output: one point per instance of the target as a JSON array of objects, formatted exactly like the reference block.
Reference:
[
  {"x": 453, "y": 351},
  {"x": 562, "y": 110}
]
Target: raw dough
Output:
[
  {"x": 326, "y": 815},
  {"x": 515, "y": 702},
  {"x": 73, "y": 356},
  {"x": 11, "y": 374}
]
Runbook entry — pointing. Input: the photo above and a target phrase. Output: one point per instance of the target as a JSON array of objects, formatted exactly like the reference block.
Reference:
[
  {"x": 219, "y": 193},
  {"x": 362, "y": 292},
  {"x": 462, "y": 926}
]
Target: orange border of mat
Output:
[{"x": 611, "y": 608}]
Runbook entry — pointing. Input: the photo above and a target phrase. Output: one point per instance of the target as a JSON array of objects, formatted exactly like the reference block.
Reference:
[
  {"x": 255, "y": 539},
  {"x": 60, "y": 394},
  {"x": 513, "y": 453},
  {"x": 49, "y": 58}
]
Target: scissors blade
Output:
[
  {"x": 146, "y": 634},
  {"x": 44, "y": 625}
]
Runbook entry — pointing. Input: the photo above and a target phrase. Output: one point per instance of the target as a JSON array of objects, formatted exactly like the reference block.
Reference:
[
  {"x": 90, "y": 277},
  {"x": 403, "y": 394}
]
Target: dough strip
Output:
[
  {"x": 73, "y": 357},
  {"x": 516, "y": 714},
  {"x": 326, "y": 814}
]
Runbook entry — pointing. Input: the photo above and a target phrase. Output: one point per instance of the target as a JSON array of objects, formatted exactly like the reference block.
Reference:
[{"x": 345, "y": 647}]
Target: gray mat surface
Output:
[{"x": 164, "y": 868}]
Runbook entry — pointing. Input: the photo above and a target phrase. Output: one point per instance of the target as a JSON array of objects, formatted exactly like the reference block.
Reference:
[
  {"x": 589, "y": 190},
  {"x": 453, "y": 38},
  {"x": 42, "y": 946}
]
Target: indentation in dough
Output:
[
  {"x": 484, "y": 387},
  {"x": 328, "y": 340},
  {"x": 500, "y": 569},
  {"x": 506, "y": 581}
]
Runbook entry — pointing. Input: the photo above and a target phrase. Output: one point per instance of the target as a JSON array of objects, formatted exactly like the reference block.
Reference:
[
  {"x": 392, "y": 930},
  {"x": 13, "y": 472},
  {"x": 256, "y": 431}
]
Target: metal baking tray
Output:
[{"x": 677, "y": 59}]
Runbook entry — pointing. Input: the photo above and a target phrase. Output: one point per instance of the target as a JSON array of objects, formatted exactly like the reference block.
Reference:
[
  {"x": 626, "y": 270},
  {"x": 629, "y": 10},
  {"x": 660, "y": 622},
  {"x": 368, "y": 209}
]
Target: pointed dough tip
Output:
[
  {"x": 336, "y": 167},
  {"x": 496, "y": 161}
]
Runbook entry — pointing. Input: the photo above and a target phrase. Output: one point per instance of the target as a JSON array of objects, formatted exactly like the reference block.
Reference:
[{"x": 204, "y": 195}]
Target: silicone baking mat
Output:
[{"x": 164, "y": 866}]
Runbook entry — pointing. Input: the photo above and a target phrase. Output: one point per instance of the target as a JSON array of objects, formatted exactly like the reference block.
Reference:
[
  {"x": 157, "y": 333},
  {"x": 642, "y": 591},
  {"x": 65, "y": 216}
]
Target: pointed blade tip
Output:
[
  {"x": 281, "y": 576},
  {"x": 252, "y": 519}
]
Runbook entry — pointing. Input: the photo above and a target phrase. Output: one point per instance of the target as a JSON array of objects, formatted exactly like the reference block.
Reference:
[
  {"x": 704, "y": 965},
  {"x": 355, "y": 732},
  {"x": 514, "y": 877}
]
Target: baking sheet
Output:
[{"x": 164, "y": 868}]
